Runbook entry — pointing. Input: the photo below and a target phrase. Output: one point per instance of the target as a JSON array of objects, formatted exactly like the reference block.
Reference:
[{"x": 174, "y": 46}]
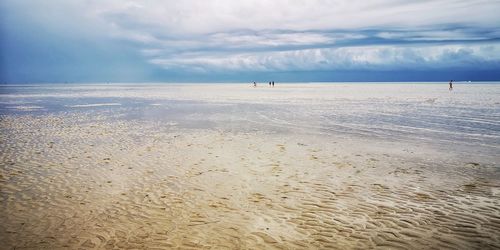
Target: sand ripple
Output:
[{"x": 81, "y": 181}]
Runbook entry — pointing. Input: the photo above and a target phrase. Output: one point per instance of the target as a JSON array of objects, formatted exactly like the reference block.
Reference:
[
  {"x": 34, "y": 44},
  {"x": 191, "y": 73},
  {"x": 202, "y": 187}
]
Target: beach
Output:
[{"x": 230, "y": 166}]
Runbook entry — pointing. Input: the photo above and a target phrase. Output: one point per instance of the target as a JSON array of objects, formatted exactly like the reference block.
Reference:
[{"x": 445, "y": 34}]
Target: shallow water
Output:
[{"x": 465, "y": 120}]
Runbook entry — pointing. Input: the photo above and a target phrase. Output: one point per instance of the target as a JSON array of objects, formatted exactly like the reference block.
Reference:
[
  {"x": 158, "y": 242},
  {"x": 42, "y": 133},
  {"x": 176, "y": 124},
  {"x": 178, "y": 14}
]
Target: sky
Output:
[{"x": 248, "y": 40}]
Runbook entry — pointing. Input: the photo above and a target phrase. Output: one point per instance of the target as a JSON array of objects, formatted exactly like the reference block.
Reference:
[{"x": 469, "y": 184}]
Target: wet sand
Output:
[{"x": 87, "y": 181}]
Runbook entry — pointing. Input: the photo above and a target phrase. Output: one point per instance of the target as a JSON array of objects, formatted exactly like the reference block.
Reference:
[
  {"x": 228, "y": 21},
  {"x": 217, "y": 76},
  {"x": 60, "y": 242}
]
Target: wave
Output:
[
  {"x": 94, "y": 105},
  {"x": 26, "y": 107}
]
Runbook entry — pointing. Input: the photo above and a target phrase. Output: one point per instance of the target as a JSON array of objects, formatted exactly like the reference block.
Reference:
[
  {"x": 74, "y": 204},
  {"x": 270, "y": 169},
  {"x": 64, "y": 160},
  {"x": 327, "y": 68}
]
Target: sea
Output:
[{"x": 464, "y": 119}]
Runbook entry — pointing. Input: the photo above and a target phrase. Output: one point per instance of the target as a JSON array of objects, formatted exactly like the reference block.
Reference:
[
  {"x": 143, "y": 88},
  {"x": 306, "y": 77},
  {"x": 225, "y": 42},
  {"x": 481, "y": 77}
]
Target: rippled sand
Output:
[{"x": 87, "y": 181}]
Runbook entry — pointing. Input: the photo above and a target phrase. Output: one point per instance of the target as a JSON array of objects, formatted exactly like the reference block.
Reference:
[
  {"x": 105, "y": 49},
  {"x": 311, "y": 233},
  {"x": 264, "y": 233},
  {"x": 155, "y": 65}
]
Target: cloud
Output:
[
  {"x": 282, "y": 35},
  {"x": 344, "y": 58},
  {"x": 202, "y": 17},
  {"x": 266, "y": 36}
]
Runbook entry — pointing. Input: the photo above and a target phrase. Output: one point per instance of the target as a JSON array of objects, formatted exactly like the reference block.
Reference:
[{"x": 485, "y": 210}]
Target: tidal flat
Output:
[{"x": 230, "y": 166}]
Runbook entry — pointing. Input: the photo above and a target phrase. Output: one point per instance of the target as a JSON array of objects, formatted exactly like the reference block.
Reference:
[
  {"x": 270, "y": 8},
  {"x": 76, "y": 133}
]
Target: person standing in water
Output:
[{"x": 451, "y": 85}]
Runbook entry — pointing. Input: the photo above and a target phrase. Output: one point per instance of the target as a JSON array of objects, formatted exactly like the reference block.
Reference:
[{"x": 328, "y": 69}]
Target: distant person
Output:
[
  {"x": 269, "y": 84},
  {"x": 254, "y": 84},
  {"x": 273, "y": 83},
  {"x": 451, "y": 85}
]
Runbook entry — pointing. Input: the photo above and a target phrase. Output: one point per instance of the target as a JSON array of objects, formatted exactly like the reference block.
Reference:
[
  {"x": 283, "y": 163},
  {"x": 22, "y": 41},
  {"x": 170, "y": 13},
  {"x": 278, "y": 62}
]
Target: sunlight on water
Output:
[{"x": 426, "y": 112}]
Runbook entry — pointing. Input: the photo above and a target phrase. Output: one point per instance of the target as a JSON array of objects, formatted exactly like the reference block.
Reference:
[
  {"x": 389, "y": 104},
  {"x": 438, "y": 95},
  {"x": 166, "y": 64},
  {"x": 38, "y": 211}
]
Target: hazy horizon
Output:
[{"x": 260, "y": 83}]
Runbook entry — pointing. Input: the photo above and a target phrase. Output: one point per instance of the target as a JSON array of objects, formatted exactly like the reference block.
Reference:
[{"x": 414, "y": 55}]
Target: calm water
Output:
[{"x": 467, "y": 118}]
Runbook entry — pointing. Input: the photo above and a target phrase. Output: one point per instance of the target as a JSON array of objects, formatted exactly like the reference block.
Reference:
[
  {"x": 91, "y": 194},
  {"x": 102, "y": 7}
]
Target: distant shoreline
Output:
[{"x": 242, "y": 83}]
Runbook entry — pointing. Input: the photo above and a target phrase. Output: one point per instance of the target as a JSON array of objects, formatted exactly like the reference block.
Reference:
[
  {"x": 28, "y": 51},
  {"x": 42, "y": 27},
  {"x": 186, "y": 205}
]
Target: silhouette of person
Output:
[
  {"x": 269, "y": 84},
  {"x": 451, "y": 85},
  {"x": 273, "y": 83},
  {"x": 254, "y": 84}
]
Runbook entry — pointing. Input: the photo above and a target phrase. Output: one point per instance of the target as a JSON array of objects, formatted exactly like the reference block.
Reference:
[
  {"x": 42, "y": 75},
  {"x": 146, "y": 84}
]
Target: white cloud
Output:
[
  {"x": 347, "y": 58},
  {"x": 265, "y": 35},
  {"x": 211, "y": 16},
  {"x": 270, "y": 39},
  {"x": 434, "y": 35}
]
